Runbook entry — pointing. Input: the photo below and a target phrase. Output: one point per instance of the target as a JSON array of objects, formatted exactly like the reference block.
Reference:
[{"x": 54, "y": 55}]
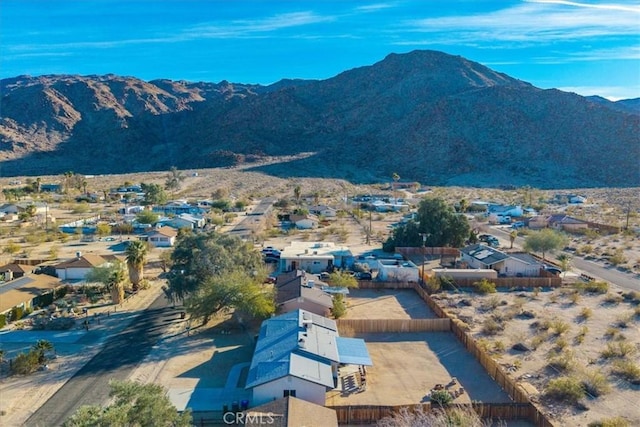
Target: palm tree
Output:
[
  {"x": 115, "y": 285},
  {"x": 136, "y": 256},
  {"x": 42, "y": 346}
]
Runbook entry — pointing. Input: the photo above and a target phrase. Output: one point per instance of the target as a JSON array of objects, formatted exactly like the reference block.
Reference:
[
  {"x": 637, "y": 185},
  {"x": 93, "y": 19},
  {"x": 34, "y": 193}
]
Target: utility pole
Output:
[{"x": 424, "y": 243}]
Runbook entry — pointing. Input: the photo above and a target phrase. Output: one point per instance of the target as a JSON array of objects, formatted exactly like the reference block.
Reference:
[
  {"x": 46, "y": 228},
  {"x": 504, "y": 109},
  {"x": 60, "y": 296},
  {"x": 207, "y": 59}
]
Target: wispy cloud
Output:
[
  {"x": 537, "y": 20},
  {"x": 249, "y": 27},
  {"x": 374, "y": 7}
]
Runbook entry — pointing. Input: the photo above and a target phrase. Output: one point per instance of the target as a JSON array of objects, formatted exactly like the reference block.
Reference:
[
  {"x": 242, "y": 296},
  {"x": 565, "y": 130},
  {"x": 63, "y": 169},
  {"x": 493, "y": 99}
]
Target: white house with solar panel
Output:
[
  {"x": 298, "y": 354},
  {"x": 506, "y": 264}
]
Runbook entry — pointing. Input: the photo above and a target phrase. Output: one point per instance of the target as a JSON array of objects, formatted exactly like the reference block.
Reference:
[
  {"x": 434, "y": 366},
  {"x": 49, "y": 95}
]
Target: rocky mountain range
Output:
[{"x": 428, "y": 116}]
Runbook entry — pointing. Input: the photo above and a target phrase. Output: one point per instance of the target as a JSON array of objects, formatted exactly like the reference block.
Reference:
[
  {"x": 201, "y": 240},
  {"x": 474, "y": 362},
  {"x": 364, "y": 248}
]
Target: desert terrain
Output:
[{"x": 565, "y": 330}]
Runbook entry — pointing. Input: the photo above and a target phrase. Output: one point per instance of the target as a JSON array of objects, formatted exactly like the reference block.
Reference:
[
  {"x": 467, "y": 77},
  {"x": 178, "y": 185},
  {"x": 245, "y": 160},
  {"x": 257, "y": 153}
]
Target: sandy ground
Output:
[{"x": 604, "y": 327}]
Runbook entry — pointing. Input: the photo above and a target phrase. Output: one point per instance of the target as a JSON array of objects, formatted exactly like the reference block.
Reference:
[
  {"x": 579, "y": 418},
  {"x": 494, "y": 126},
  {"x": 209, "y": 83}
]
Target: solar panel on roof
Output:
[{"x": 483, "y": 254}]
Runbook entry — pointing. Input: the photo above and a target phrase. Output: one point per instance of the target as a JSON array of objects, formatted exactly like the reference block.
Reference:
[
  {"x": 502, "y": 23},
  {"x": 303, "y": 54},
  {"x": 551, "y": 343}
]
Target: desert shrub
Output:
[
  {"x": 491, "y": 327},
  {"x": 3, "y": 320},
  {"x": 585, "y": 313},
  {"x": 565, "y": 388},
  {"x": 491, "y": 303},
  {"x": 595, "y": 383},
  {"x": 612, "y": 299},
  {"x": 484, "y": 287},
  {"x": 17, "y": 313},
  {"x": 561, "y": 344},
  {"x": 339, "y": 308},
  {"x": 574, "y": 297},
  {"x": 579, "y": 338},
  {"x": 623, "y": 320},
  {"x": 433, "y": 284},
  {"x": 562, "y": 361},
  {"x": 627, "y": 369},
  {"x": 559, "y": 326},
  {"x": 441, "y": 397},
  {"x": 619, "y": 349},
  {"x": 610, "y": 422},
  {"x": 618, "y": 257},
  {"x": 498, "y": 347},
  {"x": 450, "y": 416},
  {"x": 584, "y": 249},
  {"x": 632, "y": 297},
  {"x": 26, "y": 363},
  {"x": 594, "y": 287},
  {"x": 539, "y": 339}
]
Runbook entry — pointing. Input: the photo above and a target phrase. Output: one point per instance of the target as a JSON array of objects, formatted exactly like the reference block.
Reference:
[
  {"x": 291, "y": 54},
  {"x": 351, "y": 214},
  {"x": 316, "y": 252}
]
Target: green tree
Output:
[
  {"x": 437, "y": 221},
  {"x": 297, "y": 192},
  {"x": 133, "y": 404},
  {"x": 512, "y": 237},
  {"x": 154, "y": 194},
  {"x": 136, "y": 255},
  {"x": 339, "y": 308},
  {"x": 546, "y": 240},
  {"x": 338, "y": 278},
  {"x": 565, "y": 262},
  {"x": 41, "y": 347},
  {"x": 230, "y": 291},
  {"x": 146, "y": 217},
  {"x": 174, "y": 179},
  {"x": 198, "y": 257},
  {"x": 103, "y": 229}
]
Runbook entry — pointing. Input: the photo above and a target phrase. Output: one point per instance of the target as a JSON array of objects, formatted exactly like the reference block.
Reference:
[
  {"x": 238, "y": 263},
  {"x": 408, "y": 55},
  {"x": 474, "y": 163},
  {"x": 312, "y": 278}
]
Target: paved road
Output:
[
  {"x": 624, "y": 280},
  {"x": 118, "y": 358}
]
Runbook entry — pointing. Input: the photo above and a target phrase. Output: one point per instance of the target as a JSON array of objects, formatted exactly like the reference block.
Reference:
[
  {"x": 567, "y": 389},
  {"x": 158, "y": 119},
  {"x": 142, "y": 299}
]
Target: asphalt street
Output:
[{"x": 118, "y": 358}]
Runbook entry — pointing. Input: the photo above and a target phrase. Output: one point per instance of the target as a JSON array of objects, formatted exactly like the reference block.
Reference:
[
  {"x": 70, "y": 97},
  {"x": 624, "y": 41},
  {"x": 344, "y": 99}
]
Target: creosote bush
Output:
[
  {"x": 610, "y": 422},
  {"x": 565, "y": 388},
  {"x": 627, "y": 369}
]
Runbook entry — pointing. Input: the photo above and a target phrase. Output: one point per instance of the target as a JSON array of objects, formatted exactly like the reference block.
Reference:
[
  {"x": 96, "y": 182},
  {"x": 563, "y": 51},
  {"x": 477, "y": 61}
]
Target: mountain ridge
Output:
[{"x": 429, "y": 116}]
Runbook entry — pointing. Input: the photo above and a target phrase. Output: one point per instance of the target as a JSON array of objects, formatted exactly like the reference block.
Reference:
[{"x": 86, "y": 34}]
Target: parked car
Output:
[
  {"x": 553, "y": 270},
  {"x": 364, "y": 275},
  {"x": 517, "y": 224},
  {"x": 324, "y": 275}
]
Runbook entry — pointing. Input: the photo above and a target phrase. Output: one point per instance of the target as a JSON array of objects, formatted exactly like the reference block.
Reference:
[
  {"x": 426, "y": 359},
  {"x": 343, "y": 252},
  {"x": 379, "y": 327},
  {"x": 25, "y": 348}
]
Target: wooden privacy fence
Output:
[
  {"x": 520, "y": 408},
  {"x": 394, "y": 325}
]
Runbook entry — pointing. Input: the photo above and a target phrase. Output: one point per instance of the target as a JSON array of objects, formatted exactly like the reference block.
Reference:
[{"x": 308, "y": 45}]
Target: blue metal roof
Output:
[{"x": 353, "y": 351}]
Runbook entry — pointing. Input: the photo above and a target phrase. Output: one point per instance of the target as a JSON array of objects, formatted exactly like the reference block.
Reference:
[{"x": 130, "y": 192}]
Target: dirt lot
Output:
[
  {"x": 568, "y": 334},
  {"x": 386, "y": 304},
  {"x": 407, "y": 366}
]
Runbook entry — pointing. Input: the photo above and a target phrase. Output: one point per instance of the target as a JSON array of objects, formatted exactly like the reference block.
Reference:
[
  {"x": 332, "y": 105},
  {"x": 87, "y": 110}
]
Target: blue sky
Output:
[{"x": 588, "y": 47}]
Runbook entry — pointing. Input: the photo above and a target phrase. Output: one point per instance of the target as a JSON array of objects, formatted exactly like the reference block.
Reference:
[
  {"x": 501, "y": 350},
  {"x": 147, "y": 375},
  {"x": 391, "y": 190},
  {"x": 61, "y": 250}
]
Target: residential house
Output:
[
  {"x": 323, "y": 211},
  {"x": 297, "y": 290},
  {"x": 290, "y": 412},
  {"x": 315, "y": 257},
  {"x": 297, "y": 354},
  {"x": 485, "y": 257},
  {"x": 304, "y": 222},
  {"x": 186, "y": 220},
  {"x": 574, "y": 199},
  {"x": 395, "y": 270},
  {"x": 51, "y": 188},
  {"x": 176, "y": 207},
  {"x": 77, "y": 268},
  {"x": 567, "y": 223},
  {"x": 162, "y": 237},
  {"x": 21, "y": 292},
  {"x": 14, "y": 271},
  {"x": 539, "y": 221},
  {"x": 505, "y": 210}
]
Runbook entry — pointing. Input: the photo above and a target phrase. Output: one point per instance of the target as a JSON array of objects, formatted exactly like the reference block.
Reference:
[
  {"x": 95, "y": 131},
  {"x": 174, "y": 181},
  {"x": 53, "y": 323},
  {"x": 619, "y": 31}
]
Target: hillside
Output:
[{"x": 430, "y": 117}]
